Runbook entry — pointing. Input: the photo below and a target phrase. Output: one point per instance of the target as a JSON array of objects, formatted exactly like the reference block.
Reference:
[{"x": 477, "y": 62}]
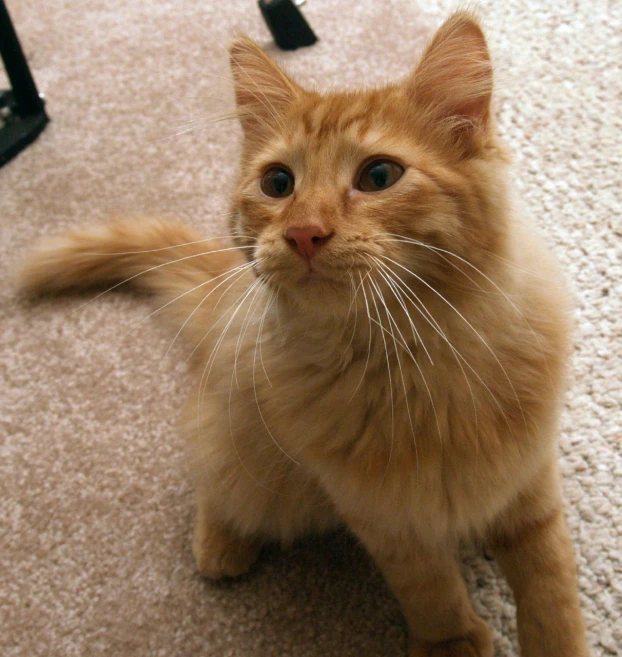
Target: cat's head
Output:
[{"x": 335, "y": 185}]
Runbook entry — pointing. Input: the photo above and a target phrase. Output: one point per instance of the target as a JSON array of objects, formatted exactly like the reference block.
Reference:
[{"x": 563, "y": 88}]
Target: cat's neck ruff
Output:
[{"x": 377, "y": 325}]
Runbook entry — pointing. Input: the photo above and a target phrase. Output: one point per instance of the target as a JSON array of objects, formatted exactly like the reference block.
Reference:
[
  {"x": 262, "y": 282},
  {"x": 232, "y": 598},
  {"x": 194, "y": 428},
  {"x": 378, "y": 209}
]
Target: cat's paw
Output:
[
  {"x": 218, "y": 553},
  {"x": 477, "y": 643}
]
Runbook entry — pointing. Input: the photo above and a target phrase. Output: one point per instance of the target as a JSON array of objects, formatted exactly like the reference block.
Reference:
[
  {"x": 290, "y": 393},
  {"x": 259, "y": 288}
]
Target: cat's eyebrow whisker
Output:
[
  {"x": 265, "y": 102},
  {"x": 225, "y": 101},
  {"x": 259, "y": 88},
  {"x": 207, "y": 121}
]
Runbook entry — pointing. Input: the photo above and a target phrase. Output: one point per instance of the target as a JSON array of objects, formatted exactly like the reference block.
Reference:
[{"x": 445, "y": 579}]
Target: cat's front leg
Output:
[
  {"x": 534, "y": 550},
  {"x": 219, "y": 550},
  {"x": 432, "y": 593}
]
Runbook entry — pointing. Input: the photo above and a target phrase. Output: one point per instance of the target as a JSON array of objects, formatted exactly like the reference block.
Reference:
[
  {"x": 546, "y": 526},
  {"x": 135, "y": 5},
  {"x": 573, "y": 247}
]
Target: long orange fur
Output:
[{"x": 410, "y": 387}]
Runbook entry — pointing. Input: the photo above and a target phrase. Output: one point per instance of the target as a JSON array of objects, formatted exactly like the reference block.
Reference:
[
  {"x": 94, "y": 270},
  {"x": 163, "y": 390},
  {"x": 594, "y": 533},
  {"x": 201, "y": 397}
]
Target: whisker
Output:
[
  {"x": 414, "y": 360},
  {"x": 389, "y": 376},
  {"x": 466, "y": 321},
  {"x": 235, "y": 270},
  {"x": 175, "y": 246},
  {"x": 237, "y": 451},
  {"x": 239, "y": 271},
  {"x": 218, "y": 118},
  {"x": 202, "y": 391},
  {"x": 245, "y": 324},
  {"x": 439, "y": 251},
  {"x": 459, "y": 356},
  {"x": 261, "y": 324},
  {"x": 212, "y": 358},
  {"x": 352, "y": 303},
  {"x": 223, "y": 314},
  {"x": 391, "y": 285},
  {"x": 370, "y": 332},
  {"x": 410, "y": 421},
  {"x": 159, "y": 266},
  {"x": 261, "y": 415},
  {"x": 481, "y": 273},
  {"x": 408, "y": 293}
]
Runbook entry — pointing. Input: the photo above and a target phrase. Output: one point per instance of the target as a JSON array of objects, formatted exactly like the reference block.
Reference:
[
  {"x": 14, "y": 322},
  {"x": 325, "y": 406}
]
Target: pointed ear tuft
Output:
[
  {"x": 452, "y": 85},
  {"x": 262, "y": 90}
]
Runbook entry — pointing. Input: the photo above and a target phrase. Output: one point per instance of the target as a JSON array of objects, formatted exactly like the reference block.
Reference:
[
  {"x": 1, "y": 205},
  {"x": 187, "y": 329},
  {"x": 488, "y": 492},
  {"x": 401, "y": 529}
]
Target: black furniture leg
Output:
[{"x": 22, "y": 112}]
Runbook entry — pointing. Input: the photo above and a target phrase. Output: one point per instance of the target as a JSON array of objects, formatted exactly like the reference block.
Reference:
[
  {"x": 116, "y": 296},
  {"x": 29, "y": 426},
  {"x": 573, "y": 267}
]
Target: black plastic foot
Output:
[
  {"x": 22, "y": 114},
  {"x": 287, "y": 25},
  {"x": 17, "y": 131}
]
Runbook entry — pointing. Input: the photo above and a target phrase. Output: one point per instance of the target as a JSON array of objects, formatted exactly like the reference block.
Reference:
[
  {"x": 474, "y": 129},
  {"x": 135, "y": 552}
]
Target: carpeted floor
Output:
[{"x": 95, "y": 504}]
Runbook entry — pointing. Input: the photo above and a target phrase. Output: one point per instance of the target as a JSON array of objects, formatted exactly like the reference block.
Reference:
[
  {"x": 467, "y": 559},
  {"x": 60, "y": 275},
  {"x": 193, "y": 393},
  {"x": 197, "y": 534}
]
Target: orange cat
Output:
[{"x": 383, "y": 343}]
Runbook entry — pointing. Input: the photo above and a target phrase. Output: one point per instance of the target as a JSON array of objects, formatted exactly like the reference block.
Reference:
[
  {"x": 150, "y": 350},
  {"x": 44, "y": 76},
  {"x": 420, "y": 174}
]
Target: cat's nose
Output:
[{"x": 307, "y": 239}]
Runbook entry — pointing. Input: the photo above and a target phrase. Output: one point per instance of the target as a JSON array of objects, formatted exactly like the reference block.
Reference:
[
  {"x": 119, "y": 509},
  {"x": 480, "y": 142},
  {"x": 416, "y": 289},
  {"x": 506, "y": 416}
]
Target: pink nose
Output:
[{"x": 307, "y": 239}]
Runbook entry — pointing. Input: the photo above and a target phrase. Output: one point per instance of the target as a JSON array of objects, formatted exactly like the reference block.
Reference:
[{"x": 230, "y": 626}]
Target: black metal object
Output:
[
  {"x": 22, "y": 111},
  {"x": 287, "y": 25}
]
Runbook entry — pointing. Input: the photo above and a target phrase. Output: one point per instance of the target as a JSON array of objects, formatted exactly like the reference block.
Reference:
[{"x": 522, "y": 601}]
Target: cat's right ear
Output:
[{"x": 262, "y": 90}]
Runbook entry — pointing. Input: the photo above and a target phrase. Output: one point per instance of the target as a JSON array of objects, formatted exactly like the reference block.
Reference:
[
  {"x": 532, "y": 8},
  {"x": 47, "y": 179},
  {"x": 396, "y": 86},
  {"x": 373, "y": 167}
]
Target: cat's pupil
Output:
[
  {"x": 280, "y": 182},
  {"x": 379, "y": 175},
  {"x": 277, "y": 182}
]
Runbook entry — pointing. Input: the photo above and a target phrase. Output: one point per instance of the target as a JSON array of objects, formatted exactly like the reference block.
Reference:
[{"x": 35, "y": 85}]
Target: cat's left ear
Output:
[
  {"x": 452, "y": 85},
  {"x": 262, "y": 90}
]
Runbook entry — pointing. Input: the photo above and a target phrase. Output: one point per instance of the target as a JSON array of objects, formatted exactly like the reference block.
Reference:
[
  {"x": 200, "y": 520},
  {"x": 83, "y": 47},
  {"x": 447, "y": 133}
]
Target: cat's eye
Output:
[
  {"x": 277, "y": 182},
  {"x": 379, "y": 175}
]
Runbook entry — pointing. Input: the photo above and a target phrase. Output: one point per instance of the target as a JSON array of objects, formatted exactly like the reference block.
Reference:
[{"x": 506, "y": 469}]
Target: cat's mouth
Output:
[{"x": 312, "y": 275}]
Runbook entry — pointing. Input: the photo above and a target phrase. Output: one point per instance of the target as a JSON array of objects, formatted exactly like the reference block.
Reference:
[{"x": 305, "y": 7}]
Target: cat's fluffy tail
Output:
[{"x": 161, "y": 256}]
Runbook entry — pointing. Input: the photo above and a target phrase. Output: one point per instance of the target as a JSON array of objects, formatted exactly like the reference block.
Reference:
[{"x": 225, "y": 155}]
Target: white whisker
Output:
[
  {"x": 370, "y": 335},
  {"x": 466, "y": 321},
  {"x": 146, "y": 271},
  {"x": 389, "y": 377},
  {"x": 261, "y": 415},
  {"x": 414, "y": 360},
  {"x": 224, "y": 314}
]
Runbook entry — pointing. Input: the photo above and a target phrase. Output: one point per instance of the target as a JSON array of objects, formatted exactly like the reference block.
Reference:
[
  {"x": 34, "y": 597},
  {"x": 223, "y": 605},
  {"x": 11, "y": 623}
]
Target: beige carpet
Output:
[{"x": 95, "y": 504}]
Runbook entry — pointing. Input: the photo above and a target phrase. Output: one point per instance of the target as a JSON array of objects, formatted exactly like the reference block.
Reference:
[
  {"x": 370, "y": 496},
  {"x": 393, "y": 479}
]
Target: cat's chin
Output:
[
  {"x": 315, "y": 277},
  {"x": 319, "y": 291}
]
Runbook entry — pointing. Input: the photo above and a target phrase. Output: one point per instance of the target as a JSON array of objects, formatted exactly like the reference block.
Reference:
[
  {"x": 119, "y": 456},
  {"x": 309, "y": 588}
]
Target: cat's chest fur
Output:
[{"x": 420, "y": 448}]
